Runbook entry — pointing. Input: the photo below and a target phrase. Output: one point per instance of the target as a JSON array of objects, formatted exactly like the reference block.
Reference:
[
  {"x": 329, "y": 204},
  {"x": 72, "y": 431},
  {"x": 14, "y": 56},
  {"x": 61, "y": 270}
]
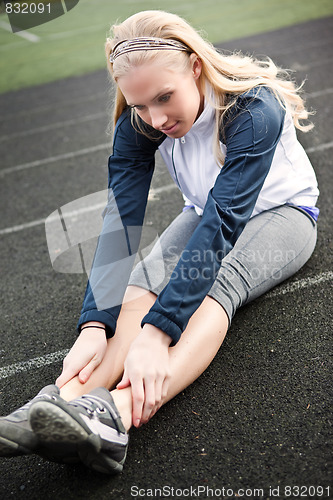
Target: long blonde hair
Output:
[{"x": 228, "y": 75}]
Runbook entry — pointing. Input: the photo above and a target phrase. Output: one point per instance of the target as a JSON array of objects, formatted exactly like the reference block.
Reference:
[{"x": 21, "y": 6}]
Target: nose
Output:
[{"x": 158, "y": 118}]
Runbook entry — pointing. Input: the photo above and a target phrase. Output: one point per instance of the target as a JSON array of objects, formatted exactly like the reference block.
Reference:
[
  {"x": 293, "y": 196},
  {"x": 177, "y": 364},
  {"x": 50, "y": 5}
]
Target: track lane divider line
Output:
[
  {"x": 23, "y": 34},
  {"x": 32, "y": 364},
  {"x": 52, "y": 159},
  {"x": 75, "y": 213}
]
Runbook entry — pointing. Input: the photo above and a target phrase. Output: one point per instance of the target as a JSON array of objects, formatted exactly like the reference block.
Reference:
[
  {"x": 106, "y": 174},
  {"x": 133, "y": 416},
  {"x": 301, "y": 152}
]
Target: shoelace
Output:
[
  {"x": 90, "y": 406},
  {"x": 96, "y": 406}
]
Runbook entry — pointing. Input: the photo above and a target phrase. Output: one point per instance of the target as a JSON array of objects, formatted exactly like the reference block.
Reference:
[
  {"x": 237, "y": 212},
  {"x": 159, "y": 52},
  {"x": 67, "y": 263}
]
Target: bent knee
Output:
[{"x": 136, "y": 293}]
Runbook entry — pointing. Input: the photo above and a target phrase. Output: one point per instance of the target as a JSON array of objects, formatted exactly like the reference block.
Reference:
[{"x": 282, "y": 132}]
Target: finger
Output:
[
  {"x": 86, "y": 372},
  {"x": 125, "y": 382},
  {"x": 164, "y": 394},
  {"x": 158, "y": 390},
  {"x": 165, "y": 388},
  {"x": 65, "y": 376},
  {"x": 150, "y": 400},
  {"x": 138, "y": 396},
  {"x": 159, "y": 384},
  {"x": 60, "y": 381},
  {"x": 71, "y": 367}
]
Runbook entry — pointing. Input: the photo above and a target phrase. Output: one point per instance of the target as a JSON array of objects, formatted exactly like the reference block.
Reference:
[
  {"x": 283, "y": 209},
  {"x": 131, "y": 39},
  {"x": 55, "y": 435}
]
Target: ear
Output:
[{"x": 196, "y": 65}]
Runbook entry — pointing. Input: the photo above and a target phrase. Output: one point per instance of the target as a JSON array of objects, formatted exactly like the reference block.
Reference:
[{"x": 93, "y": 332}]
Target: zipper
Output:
[
  {"x": 202, "y": 173},
  {"x": 173, "y": 164},
  {"x": 199, "y": 186}
]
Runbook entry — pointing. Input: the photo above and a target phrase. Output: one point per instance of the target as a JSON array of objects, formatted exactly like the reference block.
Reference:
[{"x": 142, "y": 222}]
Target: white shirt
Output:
[{"x": 191, "y": 163}]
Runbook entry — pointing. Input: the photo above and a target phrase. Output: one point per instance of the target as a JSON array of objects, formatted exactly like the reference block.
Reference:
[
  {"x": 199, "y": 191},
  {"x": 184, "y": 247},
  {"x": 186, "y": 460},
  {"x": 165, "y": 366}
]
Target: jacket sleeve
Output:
[
  {"x": 130, "y": 171},
  {"x": 251, "y": 135}
]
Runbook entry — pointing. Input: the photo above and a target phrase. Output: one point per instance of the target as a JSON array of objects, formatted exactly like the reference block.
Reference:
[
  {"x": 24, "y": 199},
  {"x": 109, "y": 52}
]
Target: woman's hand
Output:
[
  {"x": 84, "y": 357},
  {"x": 146, "y": 370}
]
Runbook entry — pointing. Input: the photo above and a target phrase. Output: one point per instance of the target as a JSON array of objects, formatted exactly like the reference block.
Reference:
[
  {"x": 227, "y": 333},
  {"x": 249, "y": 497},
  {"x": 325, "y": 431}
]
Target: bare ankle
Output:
[
  {"x": 123, "y": 402},
  {"x": 74, "y": 389}
]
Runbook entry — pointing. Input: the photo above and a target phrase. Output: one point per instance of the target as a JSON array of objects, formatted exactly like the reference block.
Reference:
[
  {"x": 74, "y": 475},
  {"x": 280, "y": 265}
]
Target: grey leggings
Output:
[{"x": 272, "y": 247}]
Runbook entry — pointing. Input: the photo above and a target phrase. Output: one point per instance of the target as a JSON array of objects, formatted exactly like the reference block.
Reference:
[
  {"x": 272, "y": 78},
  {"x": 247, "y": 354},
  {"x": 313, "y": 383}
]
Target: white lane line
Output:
[
  {"x": 48, "y": 359},
  {"x": 319, "y": 93},
  {"x": 20, "y": 227},
  {"x": 296, "y": 66},
  {"x": 53, "y": 159},
  {"x": 300, "y": 284},
  {"x": 99, "y": 147},
  {"x": 39, "y": 222},
  {"x": 54, "y": 106},
  {"x": 75, "y": 213},
  {"x": 53, "y": 126},
  {"x": 320, "y": 147},
  {"x": 23, "y": 34},
  {"x": 32, "y": 364}
]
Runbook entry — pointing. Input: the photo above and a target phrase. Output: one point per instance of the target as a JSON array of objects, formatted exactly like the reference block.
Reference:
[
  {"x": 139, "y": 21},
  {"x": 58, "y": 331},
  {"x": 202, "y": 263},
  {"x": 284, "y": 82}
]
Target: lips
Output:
[{"x": 168, "y": 130}]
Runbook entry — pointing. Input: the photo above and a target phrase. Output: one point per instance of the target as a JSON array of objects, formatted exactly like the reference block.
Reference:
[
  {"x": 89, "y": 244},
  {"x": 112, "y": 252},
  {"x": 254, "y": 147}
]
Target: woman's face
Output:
[{"x": 169, "y": 101}]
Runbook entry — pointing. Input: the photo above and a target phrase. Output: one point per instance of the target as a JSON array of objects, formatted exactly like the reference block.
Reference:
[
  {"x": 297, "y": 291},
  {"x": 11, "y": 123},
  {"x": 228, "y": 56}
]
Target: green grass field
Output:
[{"x": 73, "y": 44}]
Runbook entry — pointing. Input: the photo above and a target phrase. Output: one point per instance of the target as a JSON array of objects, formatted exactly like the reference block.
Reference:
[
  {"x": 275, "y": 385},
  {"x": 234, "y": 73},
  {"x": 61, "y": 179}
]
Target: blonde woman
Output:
[{"x": 225, "y": 126}]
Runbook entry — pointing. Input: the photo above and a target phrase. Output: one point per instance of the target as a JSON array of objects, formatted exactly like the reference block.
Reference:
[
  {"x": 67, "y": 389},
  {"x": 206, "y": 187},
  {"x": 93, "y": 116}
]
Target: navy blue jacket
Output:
[{"x": 250, "y": 133}]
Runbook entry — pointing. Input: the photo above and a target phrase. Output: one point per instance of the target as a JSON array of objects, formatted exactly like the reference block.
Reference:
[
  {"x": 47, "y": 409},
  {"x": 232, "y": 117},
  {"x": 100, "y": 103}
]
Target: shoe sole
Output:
[
  {"x": 55, "y": 427},
  {"x": 9, "y": 448}
]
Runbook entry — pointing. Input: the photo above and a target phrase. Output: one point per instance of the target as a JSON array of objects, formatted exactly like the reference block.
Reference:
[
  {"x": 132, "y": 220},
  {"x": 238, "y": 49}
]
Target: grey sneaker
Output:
[
  {"x": 89, "y": 426},
  {"x": 16, "y": 435}
]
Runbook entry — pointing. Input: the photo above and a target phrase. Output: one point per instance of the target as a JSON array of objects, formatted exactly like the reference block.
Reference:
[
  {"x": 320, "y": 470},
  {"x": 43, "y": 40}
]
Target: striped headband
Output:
[{"x": 143, "y": 43}]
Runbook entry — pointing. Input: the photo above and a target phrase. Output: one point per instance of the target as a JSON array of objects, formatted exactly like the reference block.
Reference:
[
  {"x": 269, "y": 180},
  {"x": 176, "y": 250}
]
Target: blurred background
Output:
[{"x": 73, "y": 44}]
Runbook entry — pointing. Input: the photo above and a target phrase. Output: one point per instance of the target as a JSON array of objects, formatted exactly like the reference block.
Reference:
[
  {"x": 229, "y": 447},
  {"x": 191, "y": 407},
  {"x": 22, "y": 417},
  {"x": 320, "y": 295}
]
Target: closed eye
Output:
[
  {"x": 164, "y": 98},
  {"x": 140, "y": 107}
]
